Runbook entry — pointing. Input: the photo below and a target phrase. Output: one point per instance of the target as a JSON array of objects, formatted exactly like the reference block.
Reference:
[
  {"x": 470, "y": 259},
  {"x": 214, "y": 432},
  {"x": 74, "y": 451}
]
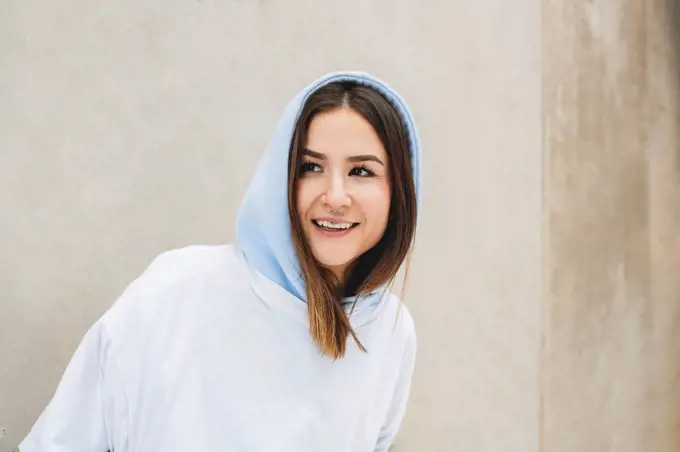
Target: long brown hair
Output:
[{"x": 329, "y": 324}]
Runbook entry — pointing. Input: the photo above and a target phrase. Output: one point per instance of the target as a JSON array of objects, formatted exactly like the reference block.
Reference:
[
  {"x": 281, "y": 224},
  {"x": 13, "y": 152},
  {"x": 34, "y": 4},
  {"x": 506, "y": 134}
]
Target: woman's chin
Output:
[{"x": 334, "y": 264}]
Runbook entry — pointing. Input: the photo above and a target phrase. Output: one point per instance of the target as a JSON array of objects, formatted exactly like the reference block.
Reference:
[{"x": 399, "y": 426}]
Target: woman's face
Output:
[{"x": 343, "y": 196}]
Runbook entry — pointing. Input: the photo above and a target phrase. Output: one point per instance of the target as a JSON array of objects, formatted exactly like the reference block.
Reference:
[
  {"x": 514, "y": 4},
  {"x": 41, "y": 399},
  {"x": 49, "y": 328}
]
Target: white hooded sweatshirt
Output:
[{"x": 210, "y": 350}]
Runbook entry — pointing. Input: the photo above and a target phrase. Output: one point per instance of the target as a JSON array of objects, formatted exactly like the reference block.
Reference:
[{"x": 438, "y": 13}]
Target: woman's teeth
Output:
[{"x": 333, "y": 224}]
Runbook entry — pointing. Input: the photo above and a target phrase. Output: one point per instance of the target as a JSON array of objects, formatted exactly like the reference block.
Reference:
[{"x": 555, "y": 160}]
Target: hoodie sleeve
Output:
[
  {"x": 87, "y": 413},
  {"x": 400, "y": 399}
]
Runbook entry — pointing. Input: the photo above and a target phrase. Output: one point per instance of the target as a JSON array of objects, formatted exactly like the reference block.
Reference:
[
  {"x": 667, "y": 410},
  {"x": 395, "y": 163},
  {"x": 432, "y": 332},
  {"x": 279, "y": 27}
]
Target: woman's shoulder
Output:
[
  {"x": 173, "y": 277},
  {"x": 404, "y": 335},
  {"x": 397, "y": 318},
  {"x": 183, "y": 264}
]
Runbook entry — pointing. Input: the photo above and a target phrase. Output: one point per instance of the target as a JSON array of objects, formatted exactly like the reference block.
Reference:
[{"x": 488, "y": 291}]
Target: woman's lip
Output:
[
  {"x": 352, "y": 225},
  {"x": 335, "y": 220},
  {"x": 334, "y": 232}
]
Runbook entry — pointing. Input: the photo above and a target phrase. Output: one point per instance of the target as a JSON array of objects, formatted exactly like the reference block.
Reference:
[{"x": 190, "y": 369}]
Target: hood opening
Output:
[{"x": 263, "y": 231}]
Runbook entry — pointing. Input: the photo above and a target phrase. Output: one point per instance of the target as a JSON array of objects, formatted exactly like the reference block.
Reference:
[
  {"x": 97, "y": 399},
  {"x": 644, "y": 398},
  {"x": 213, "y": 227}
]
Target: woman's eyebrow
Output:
[
  {"x": 313, "y": 154},
  {"x": 354, "y": 158},
  {"x": 366, "y": 158}
]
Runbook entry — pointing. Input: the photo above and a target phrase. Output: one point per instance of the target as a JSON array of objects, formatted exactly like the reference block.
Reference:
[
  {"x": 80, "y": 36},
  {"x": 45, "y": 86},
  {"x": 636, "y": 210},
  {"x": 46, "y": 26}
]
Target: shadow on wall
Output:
[
  {"x": 673, "y": 24},
  {"x": 673, "y": 14},
  {"x": 674, "y": 27}
]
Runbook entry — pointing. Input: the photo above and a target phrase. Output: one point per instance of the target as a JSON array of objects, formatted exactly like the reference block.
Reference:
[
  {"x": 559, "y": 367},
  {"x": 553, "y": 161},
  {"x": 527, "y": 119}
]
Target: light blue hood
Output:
[{"x": 263, "y": 230}]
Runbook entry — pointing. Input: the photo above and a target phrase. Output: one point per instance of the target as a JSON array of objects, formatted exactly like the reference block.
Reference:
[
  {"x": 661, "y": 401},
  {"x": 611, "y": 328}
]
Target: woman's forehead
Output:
[{"x": 342, "y": 132}]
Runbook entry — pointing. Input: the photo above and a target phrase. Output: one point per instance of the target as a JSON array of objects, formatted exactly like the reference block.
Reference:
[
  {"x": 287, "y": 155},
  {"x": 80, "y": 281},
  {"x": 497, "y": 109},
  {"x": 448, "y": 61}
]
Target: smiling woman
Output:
[
  {"x": 247, "y": 346},
  {"x": 338, "y": 189},
  {"x": 352, "y": 202}
]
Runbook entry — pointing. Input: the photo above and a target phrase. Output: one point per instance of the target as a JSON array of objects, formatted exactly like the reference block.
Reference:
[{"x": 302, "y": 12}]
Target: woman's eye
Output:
[
  {"x": 362, "y": 171},
  {"x": 309, "y": 167}
]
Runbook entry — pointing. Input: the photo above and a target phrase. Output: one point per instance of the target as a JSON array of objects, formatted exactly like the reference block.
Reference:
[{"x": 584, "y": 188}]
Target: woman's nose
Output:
[{"x": 336, "y": 195}]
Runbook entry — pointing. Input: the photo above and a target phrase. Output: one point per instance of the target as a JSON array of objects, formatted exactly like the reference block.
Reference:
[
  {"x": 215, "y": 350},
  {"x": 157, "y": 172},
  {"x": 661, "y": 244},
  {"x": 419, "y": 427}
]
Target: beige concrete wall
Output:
[
  {"x": 611, "y": 373},
  {"x": 130, "y": 127},
  {"x": 127, "y": 130}
]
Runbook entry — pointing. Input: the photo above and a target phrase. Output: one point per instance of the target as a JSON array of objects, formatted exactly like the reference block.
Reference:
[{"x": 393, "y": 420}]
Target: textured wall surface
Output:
[
  {"x": 127, "y": 128},
  {"x": 545, "y": 284},
  {"x": 611, "y": 367}
]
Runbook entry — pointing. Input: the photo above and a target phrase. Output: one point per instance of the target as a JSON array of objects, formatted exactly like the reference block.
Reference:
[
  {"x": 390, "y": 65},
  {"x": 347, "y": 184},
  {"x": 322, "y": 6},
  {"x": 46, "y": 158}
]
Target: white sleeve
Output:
[
  {"x": 400, "y": 399},
  {"x": 87, "y": 411}
]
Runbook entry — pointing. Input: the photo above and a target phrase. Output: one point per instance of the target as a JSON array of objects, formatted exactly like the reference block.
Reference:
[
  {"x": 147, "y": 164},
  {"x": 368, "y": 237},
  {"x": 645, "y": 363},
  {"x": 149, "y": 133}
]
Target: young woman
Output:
[{"x": 287, "y": 340}]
